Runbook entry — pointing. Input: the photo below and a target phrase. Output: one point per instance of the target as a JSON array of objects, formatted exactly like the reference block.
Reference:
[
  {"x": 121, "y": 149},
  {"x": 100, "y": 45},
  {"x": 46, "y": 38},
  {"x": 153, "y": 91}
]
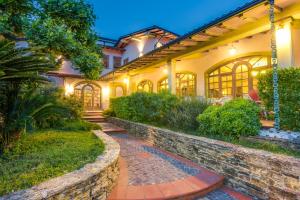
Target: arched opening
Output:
[
  {"x": 236, "y": 78},
  {"x": 89, "y": 94},
  {"x": 145, "y": 86},
  {"x": 163, "y": 85}
]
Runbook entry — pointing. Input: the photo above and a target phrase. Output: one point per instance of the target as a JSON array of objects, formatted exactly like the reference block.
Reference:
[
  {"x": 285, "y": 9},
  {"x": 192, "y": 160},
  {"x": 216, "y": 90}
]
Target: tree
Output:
[
  {"x": 62, "y": 27},
  {"x": 21, "y": 72}
]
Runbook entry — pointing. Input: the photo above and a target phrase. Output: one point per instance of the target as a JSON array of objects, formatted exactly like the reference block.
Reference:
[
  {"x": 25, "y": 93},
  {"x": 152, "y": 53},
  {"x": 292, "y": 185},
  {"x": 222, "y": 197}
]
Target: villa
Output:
[{"x": 218, "y": 60}]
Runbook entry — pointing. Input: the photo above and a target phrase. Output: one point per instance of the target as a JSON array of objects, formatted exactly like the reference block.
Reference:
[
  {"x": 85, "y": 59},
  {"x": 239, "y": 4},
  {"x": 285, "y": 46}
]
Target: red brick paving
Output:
[{"x": 184, "y": 187}]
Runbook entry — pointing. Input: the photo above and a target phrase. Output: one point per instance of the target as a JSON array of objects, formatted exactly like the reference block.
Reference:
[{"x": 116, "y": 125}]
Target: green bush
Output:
[
  {"x": 58, "y": 110},
  {"x": 142, "y": 107},
  {"x": 289, "y": 96},
  {"x": 183, "y": 115},
  {"x": 78, "y": 125},
  {"x": 234, "y": 119}
]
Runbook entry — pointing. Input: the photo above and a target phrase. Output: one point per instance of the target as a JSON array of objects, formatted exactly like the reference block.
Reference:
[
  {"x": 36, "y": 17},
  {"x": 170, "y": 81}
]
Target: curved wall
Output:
[{"x": 93, "y": 181}]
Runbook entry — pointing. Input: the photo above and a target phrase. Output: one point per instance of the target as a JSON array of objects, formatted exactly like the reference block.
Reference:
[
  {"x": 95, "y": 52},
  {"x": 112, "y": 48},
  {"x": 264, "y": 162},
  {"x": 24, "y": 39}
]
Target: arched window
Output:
[
  {"x": 236, "y": 78},
  {"x": 185, "y": 84},
  {"x": 145, "y": 86},
  {"x": 163, "y": 85}
]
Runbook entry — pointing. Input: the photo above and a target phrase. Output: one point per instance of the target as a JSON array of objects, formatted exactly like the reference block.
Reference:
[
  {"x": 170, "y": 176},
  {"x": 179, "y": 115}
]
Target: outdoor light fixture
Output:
[
  {"x": 232, "y": 50},
  {"x": 254, "y": 73},
  {"x": 126, "y": 81},
  {"x": 106, "y": 91},
  {"x": 136, "y": 39},
  {"x": 165, "y": 71},
  {"x": 283, "y": 36},
  {"x": 69, "y": 89}
]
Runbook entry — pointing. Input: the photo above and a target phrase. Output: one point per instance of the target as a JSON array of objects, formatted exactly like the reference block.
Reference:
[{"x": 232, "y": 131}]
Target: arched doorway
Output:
[{"x": 89, "y": 94}]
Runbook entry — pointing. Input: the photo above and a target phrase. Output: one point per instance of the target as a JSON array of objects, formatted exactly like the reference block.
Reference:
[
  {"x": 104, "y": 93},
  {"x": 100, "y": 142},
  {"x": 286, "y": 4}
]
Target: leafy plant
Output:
[
  {"x": 289, "y": 96},
  {"x": 64, "y": 28},
  {"x": 183, "y": 115},
  {"x": 143, "y": 107},
  {"x": 78, "y": 125},
  {"x": 234, "y": 119},
  {"x": 21, "y": 70}
]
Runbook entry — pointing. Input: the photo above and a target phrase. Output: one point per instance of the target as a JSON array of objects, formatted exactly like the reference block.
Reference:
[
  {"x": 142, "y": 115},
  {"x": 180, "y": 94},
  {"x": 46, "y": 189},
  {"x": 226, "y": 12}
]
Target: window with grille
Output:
[
  {"x": 185, "y": 84},
  {"x": 163, "y": 85},
  {"x": 238, "y": 77},
  {"x": 145, "y": 86}
]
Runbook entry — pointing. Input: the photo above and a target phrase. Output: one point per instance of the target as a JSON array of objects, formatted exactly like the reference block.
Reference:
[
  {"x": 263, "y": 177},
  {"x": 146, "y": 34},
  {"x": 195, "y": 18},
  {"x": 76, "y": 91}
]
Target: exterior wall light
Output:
[
  {"x": 165, "y": 71},
  {"x": 283, "y": 36},
  {"x": 254, "y": 73},
  {"x": 106, "y": 91},
  {"x": 126, "y": 81},
  {"x": 140, "y": 47},
  {"x": 69, "y": 89},
  {"x": 232, "y": 51}
]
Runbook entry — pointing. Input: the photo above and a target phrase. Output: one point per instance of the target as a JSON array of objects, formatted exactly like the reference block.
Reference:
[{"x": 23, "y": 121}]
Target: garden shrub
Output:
[
  {"x": 183, "y": 115},
  {"x": 235, "y": 118},
  {"x": 289, "y": 96},
  {"x": 142, "y": 107},
  {"x": 61, "y": 109},
  {"x": 79, "y": 125}
]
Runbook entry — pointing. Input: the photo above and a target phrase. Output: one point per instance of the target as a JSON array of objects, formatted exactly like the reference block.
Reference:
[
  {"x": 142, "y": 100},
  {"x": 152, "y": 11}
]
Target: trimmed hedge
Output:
[
  {"x": 235, "y": 118},
  {"x": 289, "y": 96},
  {"x": 143, "y": 107},
  {"x": 162, "y": 109}
]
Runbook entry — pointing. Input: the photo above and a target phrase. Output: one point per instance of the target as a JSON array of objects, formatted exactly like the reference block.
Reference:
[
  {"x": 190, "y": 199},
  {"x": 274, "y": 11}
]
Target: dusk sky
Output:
[{"x": 119, "y": 17}]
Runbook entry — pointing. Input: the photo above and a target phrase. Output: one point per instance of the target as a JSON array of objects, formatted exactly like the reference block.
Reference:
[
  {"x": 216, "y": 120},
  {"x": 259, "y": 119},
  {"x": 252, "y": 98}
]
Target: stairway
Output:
[
  {"x": 97, "y": 117},
  {"x": 94, "y": 116}
]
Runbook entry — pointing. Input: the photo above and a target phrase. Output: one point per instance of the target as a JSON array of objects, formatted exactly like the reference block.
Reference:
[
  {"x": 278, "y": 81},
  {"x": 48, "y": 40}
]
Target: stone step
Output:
[
  {"x": 95, "y": 113},
  {"x": 111, "y": 128}
]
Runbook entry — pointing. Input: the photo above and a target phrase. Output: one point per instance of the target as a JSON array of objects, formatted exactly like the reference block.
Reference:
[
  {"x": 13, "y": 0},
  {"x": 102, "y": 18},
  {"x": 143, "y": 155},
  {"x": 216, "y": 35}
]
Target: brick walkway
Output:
[{"x": 147, "y": 172}]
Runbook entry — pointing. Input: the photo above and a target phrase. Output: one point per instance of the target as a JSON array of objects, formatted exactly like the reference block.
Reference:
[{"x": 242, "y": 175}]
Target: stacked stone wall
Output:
[
  {"x": 260, "y": 174},
  {"x": 93, "y": 181}
]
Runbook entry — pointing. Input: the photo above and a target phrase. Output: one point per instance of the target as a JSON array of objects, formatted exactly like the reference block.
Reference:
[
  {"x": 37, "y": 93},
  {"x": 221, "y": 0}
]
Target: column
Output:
[
  {"x": 296, "y": 42},
  {"x": 285, "y": 39},
  {"x": 171, "y": 66}
]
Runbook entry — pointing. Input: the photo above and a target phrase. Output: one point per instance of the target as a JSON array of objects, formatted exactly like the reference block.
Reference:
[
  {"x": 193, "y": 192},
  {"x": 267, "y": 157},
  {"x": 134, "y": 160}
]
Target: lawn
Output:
[{"x": 42, "y": 155}]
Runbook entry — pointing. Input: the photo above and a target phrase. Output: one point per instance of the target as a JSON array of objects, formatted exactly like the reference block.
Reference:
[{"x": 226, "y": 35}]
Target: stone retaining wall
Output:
[
  {"x": 260, "y": 174},
  {"x": 93, "y": 181}
]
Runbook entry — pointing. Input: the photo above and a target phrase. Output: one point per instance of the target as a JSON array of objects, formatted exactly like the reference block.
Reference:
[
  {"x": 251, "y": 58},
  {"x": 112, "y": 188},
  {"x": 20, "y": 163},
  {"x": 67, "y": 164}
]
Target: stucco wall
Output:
[
  {"x": 93, "y": 181},
  {"x": 260, "y": 174},
  {"x": 200, "y": 63},
  {"x": 134, "y": 48}
]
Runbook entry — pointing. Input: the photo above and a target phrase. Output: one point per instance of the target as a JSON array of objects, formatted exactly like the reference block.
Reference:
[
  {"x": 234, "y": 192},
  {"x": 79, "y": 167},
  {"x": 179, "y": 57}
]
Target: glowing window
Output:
[
  {"x": 185, "y": 84},
  {"x": 145, "y": 86},
  {"x": 236, "y": 78},
  {"x": 163, "y": 85}
]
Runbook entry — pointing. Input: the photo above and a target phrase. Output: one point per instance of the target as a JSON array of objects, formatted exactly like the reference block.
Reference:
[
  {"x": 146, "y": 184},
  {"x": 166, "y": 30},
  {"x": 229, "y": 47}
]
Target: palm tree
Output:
[{"x": 21, "y": 70}]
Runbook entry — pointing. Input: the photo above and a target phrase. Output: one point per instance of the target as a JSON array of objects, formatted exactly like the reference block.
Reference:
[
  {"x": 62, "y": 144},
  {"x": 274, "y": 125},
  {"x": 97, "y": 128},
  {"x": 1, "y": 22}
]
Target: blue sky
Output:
[{"x": 120, "y": 17}]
